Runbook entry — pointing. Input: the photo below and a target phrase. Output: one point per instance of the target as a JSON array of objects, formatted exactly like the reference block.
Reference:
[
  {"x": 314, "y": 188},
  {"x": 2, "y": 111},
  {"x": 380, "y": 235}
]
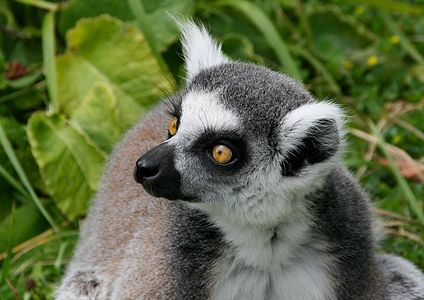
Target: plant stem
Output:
[
  {"x": 413, "y": 202},
  {"x": 49, "y": 60},
  {"x": 41, "y": 4}
]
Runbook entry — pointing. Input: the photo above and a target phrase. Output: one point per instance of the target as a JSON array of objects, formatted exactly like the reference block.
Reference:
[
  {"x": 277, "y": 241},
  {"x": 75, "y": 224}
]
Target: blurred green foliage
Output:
[{"x": 76, "y": 74}]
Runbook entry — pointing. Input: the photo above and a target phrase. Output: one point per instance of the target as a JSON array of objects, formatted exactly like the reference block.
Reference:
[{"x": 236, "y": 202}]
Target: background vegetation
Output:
[{"x": 76, "y": 74}]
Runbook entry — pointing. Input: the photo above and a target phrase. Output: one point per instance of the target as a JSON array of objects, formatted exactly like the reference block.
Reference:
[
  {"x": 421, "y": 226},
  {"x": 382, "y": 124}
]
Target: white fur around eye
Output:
[
  {"x": 202, "y": 111},
  {"x": 200, "y": 50}
]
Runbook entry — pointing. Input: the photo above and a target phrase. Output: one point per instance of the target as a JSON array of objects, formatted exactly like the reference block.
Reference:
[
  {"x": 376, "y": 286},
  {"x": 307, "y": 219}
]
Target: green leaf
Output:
[
  {"x": 77, "y": 9},
  {"x": 104, "y": 50},
  {"x": 159, "y": 15},
  {"x": 28, "y": 222},
  {"x": 98, "y": 119},
  {"x": 70, "y": 166},
  {"x": 336, "y": 36}
]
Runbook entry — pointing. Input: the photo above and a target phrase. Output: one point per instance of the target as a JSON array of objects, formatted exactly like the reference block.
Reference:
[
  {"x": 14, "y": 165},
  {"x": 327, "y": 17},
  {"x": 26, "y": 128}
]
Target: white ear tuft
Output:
[{"x": 199, "y": 49}]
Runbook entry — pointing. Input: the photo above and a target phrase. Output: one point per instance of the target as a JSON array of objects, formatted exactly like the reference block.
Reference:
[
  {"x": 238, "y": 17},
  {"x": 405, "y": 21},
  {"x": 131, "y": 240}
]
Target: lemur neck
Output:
[{"x": 267, "y": 246}]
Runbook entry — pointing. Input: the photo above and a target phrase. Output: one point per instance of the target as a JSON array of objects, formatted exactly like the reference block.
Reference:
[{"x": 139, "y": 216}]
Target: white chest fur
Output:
[
  {"x": 307, "y": 279},
  {"x": 273, "y": 264}
]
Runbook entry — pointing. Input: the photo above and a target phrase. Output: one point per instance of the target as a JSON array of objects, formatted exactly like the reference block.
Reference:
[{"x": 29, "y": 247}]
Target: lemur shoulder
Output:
[{"x": 245, "y": 196}]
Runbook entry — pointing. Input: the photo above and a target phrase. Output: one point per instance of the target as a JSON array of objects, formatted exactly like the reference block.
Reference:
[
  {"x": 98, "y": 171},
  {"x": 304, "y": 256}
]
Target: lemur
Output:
[{"x": 243, "y": 195}]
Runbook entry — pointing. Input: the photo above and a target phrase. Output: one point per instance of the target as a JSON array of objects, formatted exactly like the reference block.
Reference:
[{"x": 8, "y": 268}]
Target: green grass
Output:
[{"x": 365, "y": 55}]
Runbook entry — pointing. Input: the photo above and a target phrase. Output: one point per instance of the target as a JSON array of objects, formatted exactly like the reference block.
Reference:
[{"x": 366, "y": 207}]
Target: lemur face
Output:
[{"x": 243, "y": 140}]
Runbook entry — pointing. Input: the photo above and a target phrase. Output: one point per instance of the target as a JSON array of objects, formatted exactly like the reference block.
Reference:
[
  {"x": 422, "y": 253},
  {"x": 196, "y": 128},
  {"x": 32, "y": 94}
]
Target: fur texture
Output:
[{"x": 283, "y": 220}]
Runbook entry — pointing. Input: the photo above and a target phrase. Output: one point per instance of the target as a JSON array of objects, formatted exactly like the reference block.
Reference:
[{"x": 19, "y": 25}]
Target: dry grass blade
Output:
[
  {"x": 395, "y": 223},
  {"x": 405, "y": 234},
  {"x": 386, "y": 213},
  {"x": 400, "y": 156},
  {"x": 31, "y": 244},
  {"x": 401, "y": 107},
  {"x": 413, "y": 171}
]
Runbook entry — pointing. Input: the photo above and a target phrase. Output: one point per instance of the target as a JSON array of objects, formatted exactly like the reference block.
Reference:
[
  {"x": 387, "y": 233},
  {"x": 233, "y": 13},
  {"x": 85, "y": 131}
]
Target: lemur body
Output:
[{"x": 281, "y": 219}]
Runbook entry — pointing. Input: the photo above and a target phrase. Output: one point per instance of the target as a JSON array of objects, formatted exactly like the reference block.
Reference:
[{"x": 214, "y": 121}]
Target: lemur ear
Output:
[
  {"x": 199, "y": 49},
  {"x": 311, "y": 134}
]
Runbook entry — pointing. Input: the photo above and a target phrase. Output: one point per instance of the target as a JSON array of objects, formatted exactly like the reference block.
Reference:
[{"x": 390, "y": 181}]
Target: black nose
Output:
[
  {"x": 155, "y": 170},
  {"x": 145, "y": 170}
]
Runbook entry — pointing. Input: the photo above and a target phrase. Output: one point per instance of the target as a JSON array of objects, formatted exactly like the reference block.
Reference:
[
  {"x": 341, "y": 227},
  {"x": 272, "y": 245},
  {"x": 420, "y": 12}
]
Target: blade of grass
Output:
[
  {"x": 138, "y": 11},
  {"x": 59, "y": 259},
  {"x": 258, "y": 17},
  {"x": 49, "y": 59},
  {"x": 408, "y": 127},
  {"x": 4, "y": 141},
  {"x": 40, "y": 4},
  {"x": 319, "y": 67},
  {"x": 392, "y": 25},
  {"x": 31, "y": 243},
  {"x": 409, "y": 195},
  {"x": 405, "y": 234},
  {"x": 9, "y": 178}
]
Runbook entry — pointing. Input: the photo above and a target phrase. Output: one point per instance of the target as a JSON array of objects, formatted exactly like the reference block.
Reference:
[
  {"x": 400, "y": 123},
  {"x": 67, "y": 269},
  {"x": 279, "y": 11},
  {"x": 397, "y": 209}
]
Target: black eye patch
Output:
[{"x": 209, "y": 139}]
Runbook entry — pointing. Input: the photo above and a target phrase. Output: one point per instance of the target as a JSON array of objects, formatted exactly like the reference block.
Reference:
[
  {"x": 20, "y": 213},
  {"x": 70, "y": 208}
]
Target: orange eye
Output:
[
  {"x": 172, "y": 126},
  {"x": 222, "y": 154}
]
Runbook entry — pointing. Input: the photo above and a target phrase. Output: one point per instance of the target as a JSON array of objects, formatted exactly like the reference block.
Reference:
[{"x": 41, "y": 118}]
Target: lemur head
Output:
[{"x": 243, "y": 141}]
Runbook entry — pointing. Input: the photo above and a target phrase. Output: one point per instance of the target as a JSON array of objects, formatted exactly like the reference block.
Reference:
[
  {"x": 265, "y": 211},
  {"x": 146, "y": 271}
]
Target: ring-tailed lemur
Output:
[{"x": 267, "y": 210}]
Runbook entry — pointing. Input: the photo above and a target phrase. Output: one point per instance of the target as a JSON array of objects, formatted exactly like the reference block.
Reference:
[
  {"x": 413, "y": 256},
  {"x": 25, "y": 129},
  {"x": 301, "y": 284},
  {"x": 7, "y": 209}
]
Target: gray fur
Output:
[{"x": 286, "y": 221}]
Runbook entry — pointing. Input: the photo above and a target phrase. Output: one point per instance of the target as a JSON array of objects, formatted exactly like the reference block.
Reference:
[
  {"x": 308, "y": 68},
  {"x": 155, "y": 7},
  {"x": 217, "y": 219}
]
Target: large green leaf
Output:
[
  {"x": 104, "y": 50},
  {"x": 77, "y": 9},
  {"x": 97, "y": 117},
  {"x": 158, "y": 14},
  {"x": 70, "y": 166}
]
